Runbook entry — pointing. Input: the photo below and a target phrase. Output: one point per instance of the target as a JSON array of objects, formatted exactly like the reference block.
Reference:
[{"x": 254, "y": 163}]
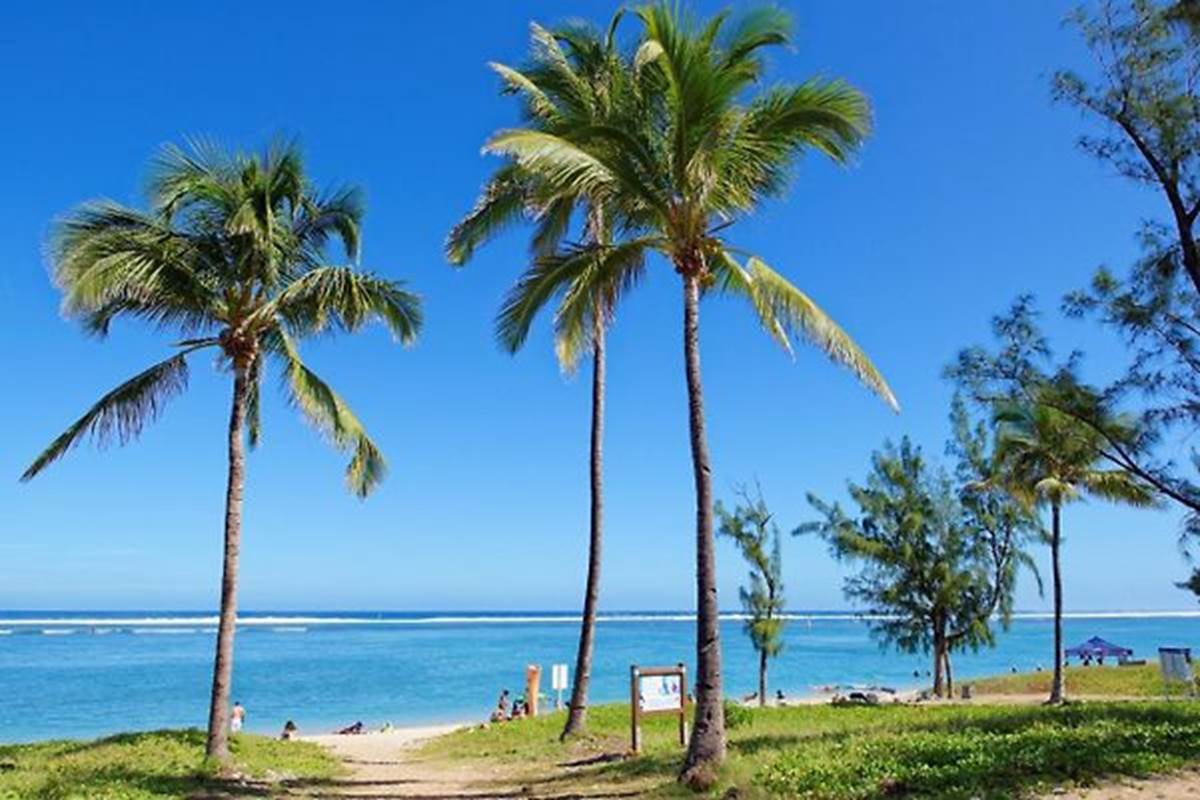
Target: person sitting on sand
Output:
[
  {"x": 780, "y": 700},
  {"x": 518, "y": 708},
  {"x": 237, "y": 718},
  {"x": 502, "y": 703},
  {"x": 352, "y": 730},
  {"x": 290, "y": 731}
]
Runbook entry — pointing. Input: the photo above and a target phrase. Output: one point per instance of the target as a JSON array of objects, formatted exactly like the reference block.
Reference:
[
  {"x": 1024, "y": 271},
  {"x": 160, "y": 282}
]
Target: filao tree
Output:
[
  {"x": 753, "y": 529},
  {"x": 232, "y": 255},
  {"x": 701, "y": 149},
  {"x": 936, "y": 559},
  {"x": 1141, "y": 98}
]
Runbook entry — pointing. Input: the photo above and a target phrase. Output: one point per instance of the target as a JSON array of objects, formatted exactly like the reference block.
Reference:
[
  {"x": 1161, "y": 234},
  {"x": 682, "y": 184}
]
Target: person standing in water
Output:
[{"x": 237, "y": 718}]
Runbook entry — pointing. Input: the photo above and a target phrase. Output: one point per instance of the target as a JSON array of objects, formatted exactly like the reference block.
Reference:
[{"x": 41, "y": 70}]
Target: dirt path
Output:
[
  {"x": 386, "y": 765},
  {"x": 1183, "y": 785},
  {"x": 389, "y": 765}
]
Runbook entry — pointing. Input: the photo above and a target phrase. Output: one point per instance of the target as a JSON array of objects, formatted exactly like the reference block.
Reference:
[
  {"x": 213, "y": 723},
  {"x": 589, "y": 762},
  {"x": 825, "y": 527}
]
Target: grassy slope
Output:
[
  {"x": 1136, "y": 681},
  {"x": 855, "y": 752},
  {"x": 150, "y": 766}
]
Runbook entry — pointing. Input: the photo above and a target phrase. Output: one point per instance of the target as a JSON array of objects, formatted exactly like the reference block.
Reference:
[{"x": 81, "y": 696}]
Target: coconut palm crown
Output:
[
  {"x": 232, "y": 255},
  {"x": 1045, "y": 456},
  {"x": 683, "y": 161},
  {"x": 690, "y": 151}
]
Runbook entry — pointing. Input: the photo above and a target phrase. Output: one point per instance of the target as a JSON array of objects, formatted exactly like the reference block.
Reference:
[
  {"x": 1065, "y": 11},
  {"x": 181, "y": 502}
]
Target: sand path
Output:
[
  {"x": 389, "y": 765},
  {"x": 385, "y": 765}
]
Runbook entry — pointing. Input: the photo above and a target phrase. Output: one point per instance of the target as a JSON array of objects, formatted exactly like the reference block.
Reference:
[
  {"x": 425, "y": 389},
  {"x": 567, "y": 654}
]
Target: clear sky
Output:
[{"x": 970, "y": 191}]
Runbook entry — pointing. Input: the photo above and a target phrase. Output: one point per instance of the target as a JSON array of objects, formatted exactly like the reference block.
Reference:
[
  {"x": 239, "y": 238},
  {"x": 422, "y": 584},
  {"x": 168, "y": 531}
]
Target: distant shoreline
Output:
[{"x": 295, "y": 622}]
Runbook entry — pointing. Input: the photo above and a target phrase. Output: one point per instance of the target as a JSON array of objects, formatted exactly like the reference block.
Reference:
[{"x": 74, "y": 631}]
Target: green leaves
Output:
[
  {"x": 347, "y": 299},
  {"x": 751, "y": 526},
  {"x": 124, "y": 411},
  {"x": 232, "y": 252},
  {"x": 1044, "y": 453},
  {"x": 328, "y": 413},
  {"x": 785, "y": 311}
]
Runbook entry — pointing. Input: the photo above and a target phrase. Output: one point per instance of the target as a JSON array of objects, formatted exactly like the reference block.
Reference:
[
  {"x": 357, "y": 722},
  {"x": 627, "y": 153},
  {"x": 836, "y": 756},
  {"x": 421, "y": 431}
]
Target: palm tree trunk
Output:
[
  {"x": 762, "y": 678},
  {"x": 949, "y": 671},
  {"x": 218, "y": 712},
  {"x": 707, "y": 747},
  {"x": 577, "y": 715},
  {"x": 1057, "y": 691}
]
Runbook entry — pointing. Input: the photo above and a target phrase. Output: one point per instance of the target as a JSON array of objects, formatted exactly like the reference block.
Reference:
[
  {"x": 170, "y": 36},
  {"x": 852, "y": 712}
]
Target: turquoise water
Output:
[{"x": 80, "y": 675}]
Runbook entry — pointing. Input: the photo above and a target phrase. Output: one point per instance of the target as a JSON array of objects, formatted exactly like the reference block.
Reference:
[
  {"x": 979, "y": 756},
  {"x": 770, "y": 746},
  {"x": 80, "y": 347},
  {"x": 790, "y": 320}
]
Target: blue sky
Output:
[{"x": 970, "y": 191}]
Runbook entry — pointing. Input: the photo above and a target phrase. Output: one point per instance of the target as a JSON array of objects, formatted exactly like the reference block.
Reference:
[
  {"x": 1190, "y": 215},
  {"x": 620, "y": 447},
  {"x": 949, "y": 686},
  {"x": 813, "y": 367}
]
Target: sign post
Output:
[
  {"x": 657, "y": 690},
  {"x": 1175, "y": 663},
  {"x": 558, "y": 676},
  {"x": 533, "y": 676}
]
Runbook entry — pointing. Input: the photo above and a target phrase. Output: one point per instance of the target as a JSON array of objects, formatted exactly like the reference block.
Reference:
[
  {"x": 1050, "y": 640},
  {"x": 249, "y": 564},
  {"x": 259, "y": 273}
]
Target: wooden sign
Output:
[{"x": 657, "y": 690}]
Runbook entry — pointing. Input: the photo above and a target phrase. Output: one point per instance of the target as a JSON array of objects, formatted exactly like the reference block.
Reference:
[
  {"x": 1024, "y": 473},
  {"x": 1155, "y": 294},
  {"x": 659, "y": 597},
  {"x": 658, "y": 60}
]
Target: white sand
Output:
[{"x": 376, "y": 744}]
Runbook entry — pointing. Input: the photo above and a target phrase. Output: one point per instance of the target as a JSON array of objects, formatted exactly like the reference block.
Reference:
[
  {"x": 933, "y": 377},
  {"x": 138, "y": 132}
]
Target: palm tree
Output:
[
  {"x": 1044, "y": 455},
  {"x": 232, "y": 254},
  {"x": 576, "y": 78},
  {"x": 689, "y": 158}
]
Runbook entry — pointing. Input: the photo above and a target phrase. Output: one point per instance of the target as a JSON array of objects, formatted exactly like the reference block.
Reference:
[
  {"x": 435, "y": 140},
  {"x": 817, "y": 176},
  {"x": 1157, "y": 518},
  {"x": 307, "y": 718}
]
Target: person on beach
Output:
[
  {"x": 237, "y": 718},
  {"x": 290, "y": 731}
]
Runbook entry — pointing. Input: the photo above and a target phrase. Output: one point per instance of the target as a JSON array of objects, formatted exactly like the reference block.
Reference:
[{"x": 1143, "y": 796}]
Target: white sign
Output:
[
  {"x": 660, "y": 693},
  {"x": 558, "y": 675},
  {"x": 1175, "y": 664}
]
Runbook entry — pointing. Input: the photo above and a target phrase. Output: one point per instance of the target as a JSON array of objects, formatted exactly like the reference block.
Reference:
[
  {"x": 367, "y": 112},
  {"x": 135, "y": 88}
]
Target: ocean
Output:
[{"x": 76, "y": 675}]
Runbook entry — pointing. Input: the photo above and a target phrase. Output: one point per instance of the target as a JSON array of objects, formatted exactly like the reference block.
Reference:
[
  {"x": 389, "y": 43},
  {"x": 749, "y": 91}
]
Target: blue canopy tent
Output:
[{"x": 1098, "y": 649}]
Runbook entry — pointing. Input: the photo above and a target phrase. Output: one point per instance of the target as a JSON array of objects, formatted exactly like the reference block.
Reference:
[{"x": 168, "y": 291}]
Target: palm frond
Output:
[
  {"x": 611, "y": 271},
  {"x": 1119, "y": 486},
  {"x": 346, "y": 298},
  {"x": 502, "y": 202},
  {"x": 337, "y": 213},
  {"x": 329, "y": 414},
  {"x": 785, "y": 311},
  {"x": 109, "y": 260},
  {"x": 123, "y": 412},
  {"x": 540, "y": 104},
  {"x": 254, "y": 402},
  {"x": 562, "y": 164}
]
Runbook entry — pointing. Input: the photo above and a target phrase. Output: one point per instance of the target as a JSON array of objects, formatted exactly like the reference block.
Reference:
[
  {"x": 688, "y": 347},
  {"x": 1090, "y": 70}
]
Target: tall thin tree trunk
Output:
[
  {"x": 939, "y": 664},
  {"x": 577, "y": 716},
  {"x": 762, "y": 678},
  {"x": 1057, "y": 691},
  {"x": 706, "y": 749},
  {"x": 949, "y": 671},
  {"x": 218, "y": 712}
]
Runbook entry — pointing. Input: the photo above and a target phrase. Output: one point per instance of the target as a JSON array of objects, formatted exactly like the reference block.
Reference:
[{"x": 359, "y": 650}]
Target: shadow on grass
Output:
[{"x": 985, "y": 752}]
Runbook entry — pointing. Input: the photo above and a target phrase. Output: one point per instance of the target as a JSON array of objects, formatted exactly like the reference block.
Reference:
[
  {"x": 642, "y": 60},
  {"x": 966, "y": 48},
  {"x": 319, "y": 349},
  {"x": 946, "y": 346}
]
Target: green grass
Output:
[
  {"x": 853, "y": 753},
  {"x": 156, "y": 766},
  {"x": 1143, "y": 680}
]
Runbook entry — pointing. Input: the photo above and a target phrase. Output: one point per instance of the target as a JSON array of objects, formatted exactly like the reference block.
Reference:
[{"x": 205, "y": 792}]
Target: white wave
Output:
[
  {"x": 57, "y": 631},
  {"x": 5, "y": 632},
  {"x": 298, "y": 623},
  {"x": 163, "y": 631}
]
